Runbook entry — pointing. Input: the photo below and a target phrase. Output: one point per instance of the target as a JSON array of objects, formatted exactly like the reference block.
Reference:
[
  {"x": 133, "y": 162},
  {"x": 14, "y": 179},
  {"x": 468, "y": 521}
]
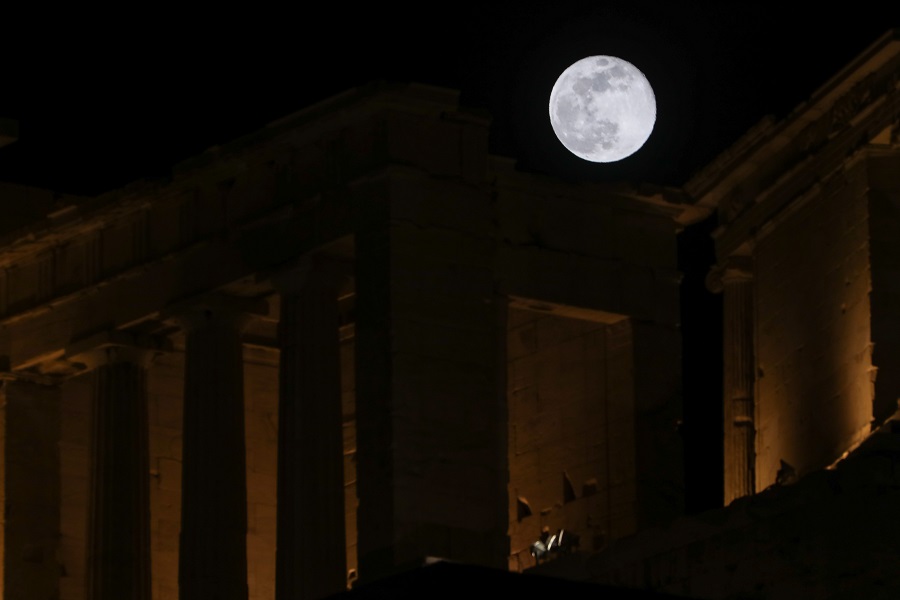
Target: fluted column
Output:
[
  {"x": 119, "y": 533},
  {"x": 213, "y": 545},
  {"x": 738, "y": 379},
  {"x": 311, "y": 543}
]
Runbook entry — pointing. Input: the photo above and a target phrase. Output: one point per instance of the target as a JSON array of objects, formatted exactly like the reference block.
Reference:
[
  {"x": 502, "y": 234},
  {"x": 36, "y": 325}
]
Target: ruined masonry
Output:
[{"x": 327, "y": 350}]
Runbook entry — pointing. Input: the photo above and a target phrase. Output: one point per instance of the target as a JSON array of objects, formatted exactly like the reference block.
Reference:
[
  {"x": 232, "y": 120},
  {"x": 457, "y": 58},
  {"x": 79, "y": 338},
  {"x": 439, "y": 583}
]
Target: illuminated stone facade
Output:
[
  {"x": 807, "y": 262},
  {"x": 807, "y": 230},
  {"x": 327, "y": 350}
]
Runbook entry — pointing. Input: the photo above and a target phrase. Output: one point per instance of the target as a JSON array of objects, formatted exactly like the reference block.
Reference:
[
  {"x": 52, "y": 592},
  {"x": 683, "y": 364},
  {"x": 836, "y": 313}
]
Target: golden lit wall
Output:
[
  {"x": 261, "y": 426},
  {"x": 165, "y": 390},
  {"x": 571, "y": 430},
  {"x": 813, "y": 352}
]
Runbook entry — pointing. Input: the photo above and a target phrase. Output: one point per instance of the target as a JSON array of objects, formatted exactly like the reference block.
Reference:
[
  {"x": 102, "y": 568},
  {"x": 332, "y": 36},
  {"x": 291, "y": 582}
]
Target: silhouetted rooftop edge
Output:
[{"x": 767, "y": 138}]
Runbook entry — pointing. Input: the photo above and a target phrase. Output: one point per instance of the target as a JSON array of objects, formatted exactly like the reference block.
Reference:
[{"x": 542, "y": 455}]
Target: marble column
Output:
[
  {"x": 431, "y": 400},
  {"x": 212, "y": 561},
  {"x": 738, "y": 379},
  {"x": 31, "y": 490},
  {"x": 311, "y": 541},
  {"x": 119, "y": 527}
]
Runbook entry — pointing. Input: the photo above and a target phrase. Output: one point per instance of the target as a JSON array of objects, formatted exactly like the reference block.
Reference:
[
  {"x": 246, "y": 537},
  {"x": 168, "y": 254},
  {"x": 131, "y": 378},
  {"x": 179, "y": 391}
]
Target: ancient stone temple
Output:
[
  {"x": 808, "y": 251},
  {"x": 339, "y": 345}
]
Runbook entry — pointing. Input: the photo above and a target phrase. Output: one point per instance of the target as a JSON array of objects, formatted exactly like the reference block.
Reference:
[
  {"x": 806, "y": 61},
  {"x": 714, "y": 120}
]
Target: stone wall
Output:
[
  {"x": 598, "y": 256},
  {"x": 261, "y": 426},
  {"x": 31, "y": 490},
  {"x": 814, "y": 376},
  {"x": 571, "y": 431},
  {"x": 444, "y": 239}
]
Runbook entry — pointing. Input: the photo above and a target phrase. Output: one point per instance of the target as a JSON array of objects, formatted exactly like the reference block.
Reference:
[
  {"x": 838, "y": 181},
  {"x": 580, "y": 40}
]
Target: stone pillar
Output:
[
  {"x": 658, "y": 451},
  {"x": 432, "y": 460},
  {"x": 738, "y": 378},
  {"x": 119, "y": 530},
  {"x": 311, "y": 560},
  {"x": 212, "y": 562},
  {"x": 31, "y": 504}
]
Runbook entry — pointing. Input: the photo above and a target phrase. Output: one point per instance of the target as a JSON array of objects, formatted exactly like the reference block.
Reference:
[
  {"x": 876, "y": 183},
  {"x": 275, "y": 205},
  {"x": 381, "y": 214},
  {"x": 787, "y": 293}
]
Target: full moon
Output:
[{"x": 602, "y": 109}]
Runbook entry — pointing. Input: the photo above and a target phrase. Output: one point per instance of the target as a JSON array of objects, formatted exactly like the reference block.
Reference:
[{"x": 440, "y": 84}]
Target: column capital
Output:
[
  {"x": 208, "y": 309},
  {"x": 115, "y": 346},
  {"x": 86, "y": 354},
  {"x": 51, "y": 373},
  {"x": 733, "y": 269}
]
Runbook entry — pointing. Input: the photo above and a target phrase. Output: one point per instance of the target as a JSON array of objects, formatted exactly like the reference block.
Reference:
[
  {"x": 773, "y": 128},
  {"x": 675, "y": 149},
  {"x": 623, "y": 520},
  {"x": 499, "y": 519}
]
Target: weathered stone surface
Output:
[{"x": 443, "y": 238}]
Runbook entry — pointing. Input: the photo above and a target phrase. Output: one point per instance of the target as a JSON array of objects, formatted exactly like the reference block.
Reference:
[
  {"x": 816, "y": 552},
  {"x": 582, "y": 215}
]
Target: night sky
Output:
[{"x": 104, "y": 101}]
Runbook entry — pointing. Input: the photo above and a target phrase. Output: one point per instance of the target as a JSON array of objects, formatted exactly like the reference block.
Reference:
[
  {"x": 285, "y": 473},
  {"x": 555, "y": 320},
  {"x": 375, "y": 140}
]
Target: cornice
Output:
[{"x": 774, "y": 163}]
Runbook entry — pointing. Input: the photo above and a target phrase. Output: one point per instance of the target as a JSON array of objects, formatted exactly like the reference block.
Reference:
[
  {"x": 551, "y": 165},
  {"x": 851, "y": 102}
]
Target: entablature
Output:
[{"x": 774, "y": 164}]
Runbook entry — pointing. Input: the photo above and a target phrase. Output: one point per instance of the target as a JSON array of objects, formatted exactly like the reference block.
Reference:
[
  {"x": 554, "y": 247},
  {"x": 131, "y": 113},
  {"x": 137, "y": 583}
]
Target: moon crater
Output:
[{"x": 602, "y": 108}]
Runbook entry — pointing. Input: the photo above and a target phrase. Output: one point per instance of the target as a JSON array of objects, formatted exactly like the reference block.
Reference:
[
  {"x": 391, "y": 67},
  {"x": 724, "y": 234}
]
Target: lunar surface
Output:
[{"x": 602, "y": 109}]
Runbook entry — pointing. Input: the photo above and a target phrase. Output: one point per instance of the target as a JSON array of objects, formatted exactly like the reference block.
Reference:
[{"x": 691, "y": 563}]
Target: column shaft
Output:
[
  {"x": 739, "y": 377},
  {"x": 119, "y": 535},
  {"x": 213, "y": 546},
  {"x": 311, "y": 550},
  {"x": 431, "y": 405}
]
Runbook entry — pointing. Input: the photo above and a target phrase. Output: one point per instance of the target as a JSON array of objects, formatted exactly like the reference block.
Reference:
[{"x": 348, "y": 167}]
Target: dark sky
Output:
[{"x": 104, "y": 101}]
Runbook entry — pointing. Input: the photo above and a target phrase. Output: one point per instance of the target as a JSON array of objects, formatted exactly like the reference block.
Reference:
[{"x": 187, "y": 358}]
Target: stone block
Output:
[
  {"x": 348, "y": 374},
  {"x": 169, "y": 474},
  {"x": 524, "y": 533},
  {"x": 348, "y": 405},
  {"x": 167, "y": 533},
  {"x": 73, "y": 515},
  {"x": 168, "y": 409},
  {"x": 260, "y": 552},
  {"x": 165, "y": 573},
  {"x": 420, "y": 141},
  {"x": 521, "y": 341},
  {"x": 644, "y": 239},
  {"x": 262, "y": 520},
  {"x": 475, "y": 312},
  {"x": 349, "y": 435},
  {"x": 260, "y": 388},
  {"x": 165, "y": 504},
  {"x": 74, "y": 467},
  {"x": 261, "y": 488},
  {"x": 524, "y": 472},
  {"x": 517, "y": 317},
  {"x": 576, "y": 518},
  {"x": 523, "y": 404},
  {"x": 262, "y": 457},
  {"x": 165, "y": 442},
  {"x": 415, "y": 199},
  {"x": 261, "y": 427},
  {"x": 447, "y": 343},
  {"x": 523, "y": 373}
]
